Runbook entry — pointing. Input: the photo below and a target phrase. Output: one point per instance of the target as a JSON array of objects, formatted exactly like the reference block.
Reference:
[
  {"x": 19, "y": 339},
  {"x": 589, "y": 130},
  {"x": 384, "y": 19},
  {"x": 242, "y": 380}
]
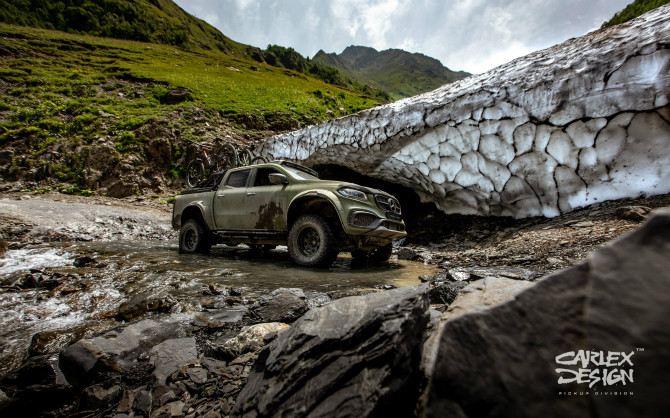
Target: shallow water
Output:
[{"x": 124, "y": 269}]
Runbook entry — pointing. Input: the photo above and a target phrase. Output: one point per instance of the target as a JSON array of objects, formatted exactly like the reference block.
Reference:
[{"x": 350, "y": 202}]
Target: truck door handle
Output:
[
  {"x": 220, "y": 195},
  {"x": 251, "y": 194}
]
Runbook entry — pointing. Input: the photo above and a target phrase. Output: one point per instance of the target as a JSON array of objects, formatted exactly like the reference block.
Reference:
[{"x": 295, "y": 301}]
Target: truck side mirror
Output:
[{"x": 278, "y": 178}]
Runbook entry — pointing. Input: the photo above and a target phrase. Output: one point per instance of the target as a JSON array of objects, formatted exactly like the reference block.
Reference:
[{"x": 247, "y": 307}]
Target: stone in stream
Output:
[
  {"x": 357, "y": 356},
  {"x": 515, "y": 359},
  {"x": 117, "y": 350},
  {"x": 281, "y": 305},
  {"x": 250, "y": 339}
]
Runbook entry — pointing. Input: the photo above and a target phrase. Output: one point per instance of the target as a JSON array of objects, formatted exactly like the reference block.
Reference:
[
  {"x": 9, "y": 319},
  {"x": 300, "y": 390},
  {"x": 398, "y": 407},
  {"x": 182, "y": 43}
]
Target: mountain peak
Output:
[{"x": 400, "y": 73}]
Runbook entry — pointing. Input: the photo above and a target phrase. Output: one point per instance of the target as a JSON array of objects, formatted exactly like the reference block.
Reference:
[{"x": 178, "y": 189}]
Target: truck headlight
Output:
[{"x": 352, "y": 193}]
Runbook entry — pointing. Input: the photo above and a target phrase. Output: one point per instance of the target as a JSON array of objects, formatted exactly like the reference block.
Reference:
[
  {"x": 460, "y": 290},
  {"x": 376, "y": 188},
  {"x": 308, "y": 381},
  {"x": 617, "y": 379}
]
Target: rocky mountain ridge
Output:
[{"x": 401, "y": 73}]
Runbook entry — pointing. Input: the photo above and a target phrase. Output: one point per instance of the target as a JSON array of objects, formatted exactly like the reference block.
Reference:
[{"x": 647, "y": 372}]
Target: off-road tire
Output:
[
  {"x": 311, "y": 242},
  {"x": 377, "y": 255},
  {"x": 194, "y": 238}
]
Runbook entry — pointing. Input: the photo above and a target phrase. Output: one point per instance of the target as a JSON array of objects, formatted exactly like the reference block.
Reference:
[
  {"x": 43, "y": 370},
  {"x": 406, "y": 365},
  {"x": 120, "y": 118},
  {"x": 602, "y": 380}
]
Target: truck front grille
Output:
[{"x": 388, "y": 204}]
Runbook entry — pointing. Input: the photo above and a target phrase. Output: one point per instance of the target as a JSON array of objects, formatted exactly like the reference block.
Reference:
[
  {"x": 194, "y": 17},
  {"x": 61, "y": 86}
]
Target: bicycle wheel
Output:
[
  {"x": 196, "y": 172},
  {"x": 227, "y": 156},
  {"x": 244, "y": 157},
  {"x": 259, "y": 159}
]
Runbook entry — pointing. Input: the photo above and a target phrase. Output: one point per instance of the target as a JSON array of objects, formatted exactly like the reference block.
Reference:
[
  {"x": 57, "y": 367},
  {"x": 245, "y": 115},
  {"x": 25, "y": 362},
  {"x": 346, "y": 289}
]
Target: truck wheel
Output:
[
  {"x": 377, "y": 255},
  {"x": 311, "y": 242},
  {"x": 194, "y": 238}
]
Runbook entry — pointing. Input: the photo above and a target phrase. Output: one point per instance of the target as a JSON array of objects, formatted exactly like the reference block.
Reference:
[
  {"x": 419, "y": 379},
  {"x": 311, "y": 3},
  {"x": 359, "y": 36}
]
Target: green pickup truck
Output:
[{"x": 283, "y": 203}]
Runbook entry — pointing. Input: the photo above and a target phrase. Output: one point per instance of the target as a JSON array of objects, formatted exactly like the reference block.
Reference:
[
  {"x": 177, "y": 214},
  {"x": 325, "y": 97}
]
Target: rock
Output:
[
  {"x": 407, "y": 253},
  {"x": 356, "y": 356},
  {"x": 197, "y": 374},
  {"x": 445, "y": 292},
  {"x": 3, "y": 247},
  {"x": 458, "y": 275},
  {"x": 250, "y": 339},
  {"x": 169, "y": 355},
  {"x": 173, "y": 409},
  {"x": 116, "y": 350},
  {"x": 483, "y": 272},
  {"x": 617, "y": 301},
  {"x": 83, "y": 261},
  {"x": 528, "y": 138},
  {"x": 483, "y": 294},
  {"x": 177, "y": 96},
  {"x": 38, "y": 378},
  {"x": 281, "y": 305},
  {"x": 142, "y": 303},
  {"x": 633, "y": 213},
  {"x": 99, "y": 396},
  {"x": 143, "y": 402}
]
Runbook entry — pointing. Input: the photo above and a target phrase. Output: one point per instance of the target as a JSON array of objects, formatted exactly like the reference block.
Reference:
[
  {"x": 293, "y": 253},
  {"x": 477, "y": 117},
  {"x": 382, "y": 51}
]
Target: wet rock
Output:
[
  {"x": 168, "y": 356},
  {"x": 49, "y": 342},
  {"x": 445, "y": 292},
  {"x": 407, "y": 253},
  {"x": 83, "y": 261},
  {"x": 633, "y": 213},
  {"x": 616, "y": 301},
  {"x": 281, "y": 305},
  {"x": 38, "y": 378},
  {"x": 145, "y": 302},
  {"x": 99, "y": 396},
  {"x": 116, "y": 350},
  {"x": 356, "y": 356},
  {"x": 458, "y": 275},
  {"x": 3, "y": 247},
  {"x": 250, "y": 339}
]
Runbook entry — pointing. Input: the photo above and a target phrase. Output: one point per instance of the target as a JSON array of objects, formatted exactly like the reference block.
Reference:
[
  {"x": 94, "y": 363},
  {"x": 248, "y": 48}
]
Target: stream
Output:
[{"x": 86, "y": 299}]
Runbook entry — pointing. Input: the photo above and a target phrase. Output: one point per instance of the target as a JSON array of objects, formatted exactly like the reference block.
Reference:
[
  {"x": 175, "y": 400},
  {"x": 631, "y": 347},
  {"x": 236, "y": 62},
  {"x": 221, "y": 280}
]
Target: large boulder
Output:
[
  {"x": 526, "y": 357},
  {"x": 357, "y": 356}
]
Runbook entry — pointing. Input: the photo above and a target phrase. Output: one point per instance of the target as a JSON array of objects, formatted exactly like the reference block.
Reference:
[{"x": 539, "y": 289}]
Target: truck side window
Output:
[
  {"x": 262, "y": 176},
  {"x": 238, "y": 178}
]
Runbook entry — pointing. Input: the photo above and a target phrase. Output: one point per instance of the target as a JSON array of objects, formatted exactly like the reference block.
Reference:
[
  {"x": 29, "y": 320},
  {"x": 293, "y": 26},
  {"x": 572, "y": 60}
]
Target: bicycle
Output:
[
  {"x": 219, "y": 158},
  {"x": 247, "y": 156}
]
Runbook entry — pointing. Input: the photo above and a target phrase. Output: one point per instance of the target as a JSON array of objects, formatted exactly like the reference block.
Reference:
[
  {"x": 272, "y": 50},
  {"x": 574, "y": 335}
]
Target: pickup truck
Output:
[{"x": 284, "y": 203}]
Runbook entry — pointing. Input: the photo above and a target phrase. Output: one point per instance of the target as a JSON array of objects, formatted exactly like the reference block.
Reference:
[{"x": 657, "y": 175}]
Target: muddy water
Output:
[{"x": 88, "y": 299}]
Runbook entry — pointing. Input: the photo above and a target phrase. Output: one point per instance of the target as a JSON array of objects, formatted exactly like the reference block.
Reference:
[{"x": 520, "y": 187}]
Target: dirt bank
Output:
[{"x": 30, "y": 219}]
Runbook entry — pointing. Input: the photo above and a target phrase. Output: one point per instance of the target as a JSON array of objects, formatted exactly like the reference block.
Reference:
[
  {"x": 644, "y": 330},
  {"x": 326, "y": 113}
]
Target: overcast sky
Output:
[{"x": 469, "y": 35}]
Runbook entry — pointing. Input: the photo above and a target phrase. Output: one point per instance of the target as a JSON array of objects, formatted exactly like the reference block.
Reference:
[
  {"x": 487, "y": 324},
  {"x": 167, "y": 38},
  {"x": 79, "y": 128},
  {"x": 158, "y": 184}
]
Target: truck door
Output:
[
  {"x": 265, "y": 202},
  {"x": 229, "y": 211}
]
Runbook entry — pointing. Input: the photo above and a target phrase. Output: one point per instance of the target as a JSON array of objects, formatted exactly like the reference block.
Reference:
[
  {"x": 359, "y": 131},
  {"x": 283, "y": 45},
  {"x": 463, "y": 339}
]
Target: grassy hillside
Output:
[
  {"x": 163, "y": 22},
  {"x": 157, "y": 21},
  {"x": 633, "y": 10},
  {"x": 400, "y": 73},
  {"x": 65, "y": 94}
]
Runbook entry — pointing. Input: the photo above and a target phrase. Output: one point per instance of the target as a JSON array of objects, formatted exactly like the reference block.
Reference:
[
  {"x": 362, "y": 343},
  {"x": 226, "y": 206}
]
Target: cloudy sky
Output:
[{"x": 470, "y": 35}]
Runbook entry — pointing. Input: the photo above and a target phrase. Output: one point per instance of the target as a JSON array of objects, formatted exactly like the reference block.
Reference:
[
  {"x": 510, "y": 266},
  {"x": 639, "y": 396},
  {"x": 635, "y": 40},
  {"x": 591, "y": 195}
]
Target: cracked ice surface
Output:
[{"x": 565, "y": 127}]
